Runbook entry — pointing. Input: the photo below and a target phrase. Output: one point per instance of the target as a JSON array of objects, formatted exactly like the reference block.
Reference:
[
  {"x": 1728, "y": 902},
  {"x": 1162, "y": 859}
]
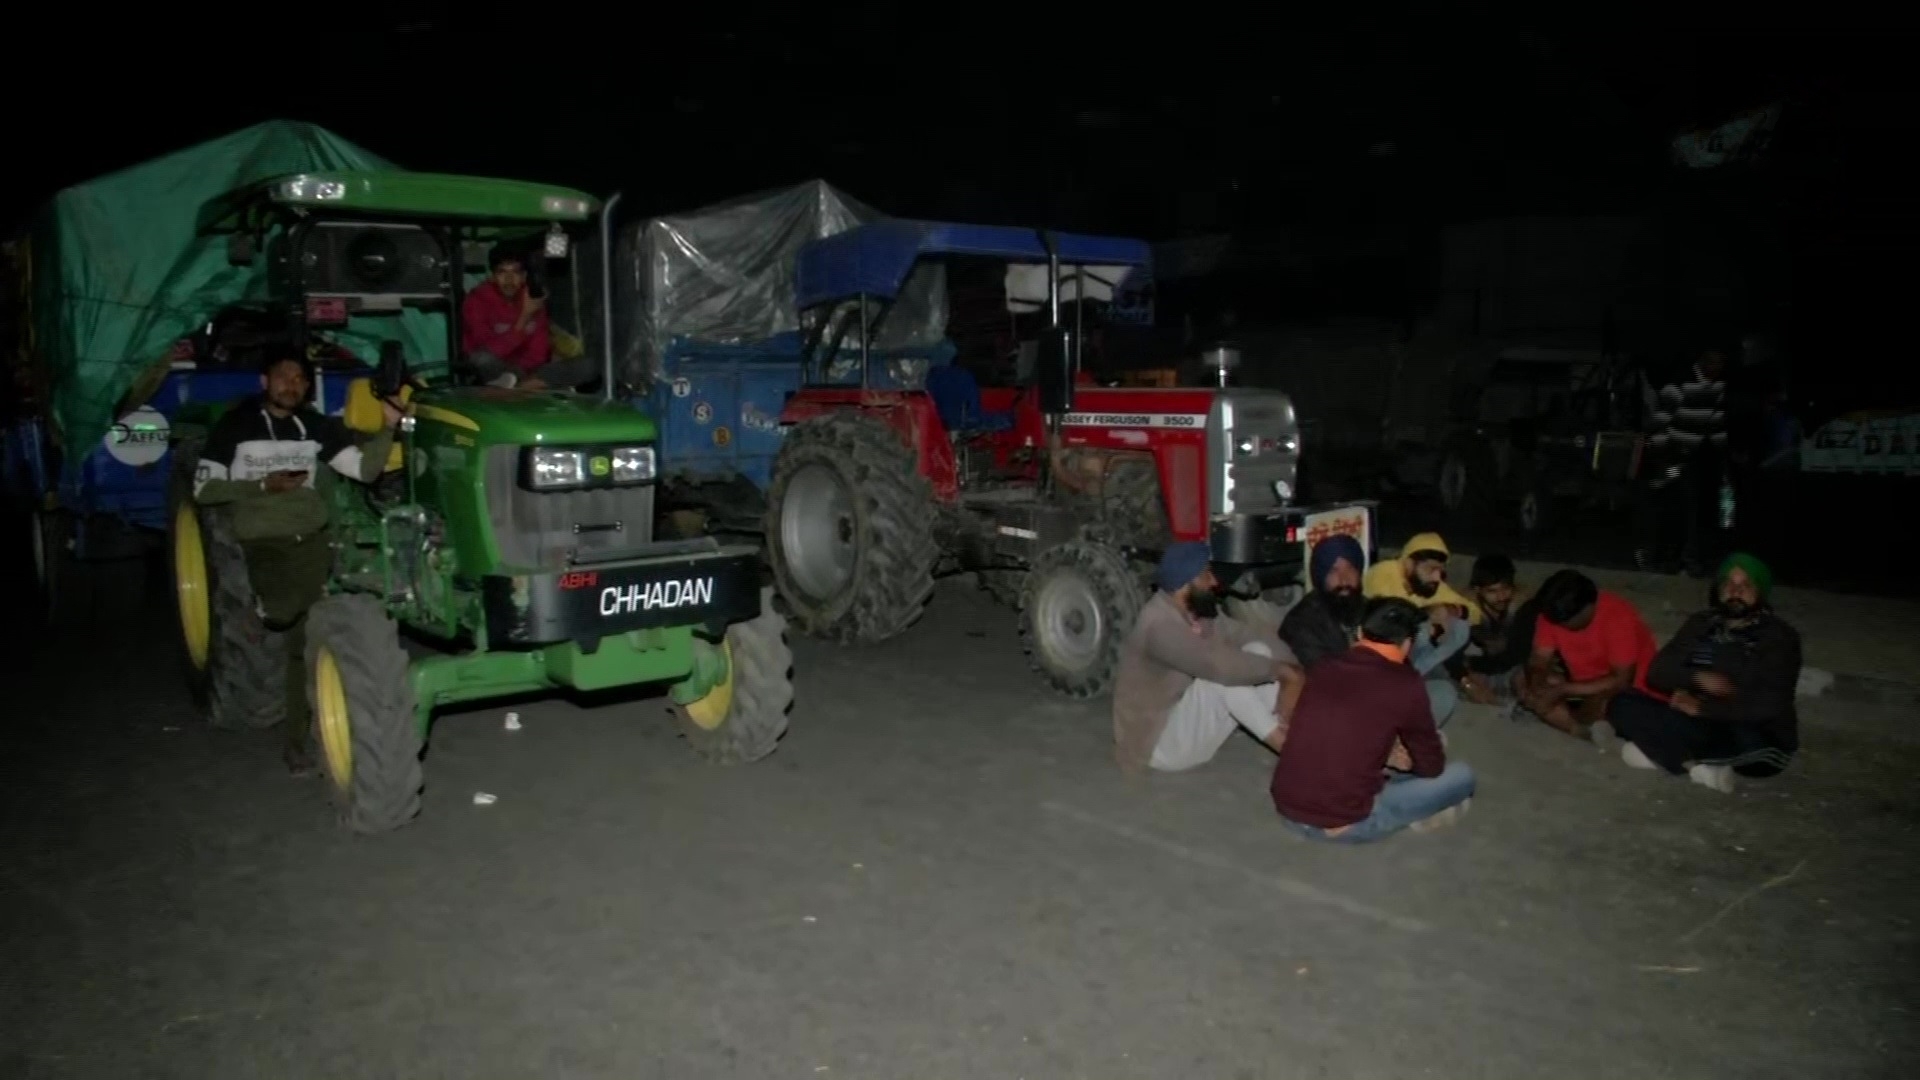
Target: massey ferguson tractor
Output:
[{"x": 1059, "y": 493}]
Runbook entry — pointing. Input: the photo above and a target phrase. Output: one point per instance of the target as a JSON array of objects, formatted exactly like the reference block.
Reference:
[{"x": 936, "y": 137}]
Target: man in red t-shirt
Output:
[{"x": 1602, "y": 644}]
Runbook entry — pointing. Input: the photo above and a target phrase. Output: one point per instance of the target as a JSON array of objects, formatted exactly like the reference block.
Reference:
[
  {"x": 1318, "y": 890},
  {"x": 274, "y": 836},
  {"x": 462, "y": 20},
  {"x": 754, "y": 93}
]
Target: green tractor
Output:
[{"x": 510, "y": 542}]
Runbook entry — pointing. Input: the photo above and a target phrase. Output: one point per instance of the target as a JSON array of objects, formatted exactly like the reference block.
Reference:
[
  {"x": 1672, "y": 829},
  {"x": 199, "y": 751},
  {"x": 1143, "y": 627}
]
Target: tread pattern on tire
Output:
[
  {"x": 374, "y": 671},
  {"x": 893, "y": 573},
  {"x": 244, "y": 685},
  {"x": 762, "y": 692},
  {"x": 1120, "y": 593}
]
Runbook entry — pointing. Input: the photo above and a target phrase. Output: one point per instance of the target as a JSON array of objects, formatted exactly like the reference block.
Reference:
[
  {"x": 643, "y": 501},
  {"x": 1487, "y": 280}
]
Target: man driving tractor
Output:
[
  {"x": 259, "y": 459},
  {"x": 505, "y": 334}
]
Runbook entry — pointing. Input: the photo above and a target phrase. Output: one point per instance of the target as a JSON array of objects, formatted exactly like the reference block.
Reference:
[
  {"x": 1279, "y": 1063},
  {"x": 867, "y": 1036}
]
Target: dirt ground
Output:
[{"x": 939, "y": 874}]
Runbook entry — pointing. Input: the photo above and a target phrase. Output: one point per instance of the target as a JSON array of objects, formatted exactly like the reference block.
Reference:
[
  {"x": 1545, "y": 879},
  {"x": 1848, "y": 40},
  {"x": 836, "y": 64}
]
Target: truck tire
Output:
[
  {"x": 236, "y": 667},
  {"x": 743, "y": 720},
  {"x": 365, "y": 726},
  {"x": 1080, "y": 603},
  {"x": 56, "y": 569},
  {"x": 850, "y": 530}
]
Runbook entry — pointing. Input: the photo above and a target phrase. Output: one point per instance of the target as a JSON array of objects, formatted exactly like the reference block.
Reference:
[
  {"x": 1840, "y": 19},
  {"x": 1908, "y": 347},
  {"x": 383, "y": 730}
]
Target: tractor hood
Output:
[{"x": 514, "y": 416}]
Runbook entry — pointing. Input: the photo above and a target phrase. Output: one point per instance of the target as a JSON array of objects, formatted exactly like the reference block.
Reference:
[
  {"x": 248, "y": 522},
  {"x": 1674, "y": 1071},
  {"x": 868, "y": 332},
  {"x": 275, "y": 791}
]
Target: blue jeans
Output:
[
  {"x": 1429, "y": 658},
  {"x": 1405, "y": 800}
]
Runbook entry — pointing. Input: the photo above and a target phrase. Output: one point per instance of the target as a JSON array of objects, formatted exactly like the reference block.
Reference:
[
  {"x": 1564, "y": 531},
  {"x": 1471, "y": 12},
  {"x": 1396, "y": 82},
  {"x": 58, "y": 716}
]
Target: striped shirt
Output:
[{"x": 1689, "y": 414}]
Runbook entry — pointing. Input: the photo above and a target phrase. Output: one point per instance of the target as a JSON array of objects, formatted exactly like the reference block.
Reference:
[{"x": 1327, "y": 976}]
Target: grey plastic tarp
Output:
[{"x": 723, "y": 274}]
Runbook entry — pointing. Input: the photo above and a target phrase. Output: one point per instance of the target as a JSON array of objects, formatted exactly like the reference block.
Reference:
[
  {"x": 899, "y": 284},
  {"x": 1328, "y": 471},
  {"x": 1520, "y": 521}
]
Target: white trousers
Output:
[{"x": 1208, "y": 712}]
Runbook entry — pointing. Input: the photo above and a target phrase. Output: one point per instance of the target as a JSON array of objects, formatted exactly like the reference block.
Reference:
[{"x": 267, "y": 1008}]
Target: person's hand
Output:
[
  {"x": 285, "y": 480},
  {"x": 1684, "y": 702},
  {"x": 1399, "y": 760},
  {"x": 1713, "y": 683},
  {"x": 1441, "y": 616},
  {"x": 393, "y": 413},
  {"x": 531, "y": 383},
  {"x": 530, "y": 304}
]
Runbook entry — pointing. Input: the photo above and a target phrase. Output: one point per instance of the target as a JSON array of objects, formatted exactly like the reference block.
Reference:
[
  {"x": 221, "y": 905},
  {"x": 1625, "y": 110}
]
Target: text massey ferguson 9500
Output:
[{"x": 1136, "y": 420}]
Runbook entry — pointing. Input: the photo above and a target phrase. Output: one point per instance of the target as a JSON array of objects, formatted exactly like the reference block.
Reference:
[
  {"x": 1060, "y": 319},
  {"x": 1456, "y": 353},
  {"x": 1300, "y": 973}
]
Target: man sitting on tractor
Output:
[
  {"x": 1189, "y": 674},
  {"x": 259, "y": 459},
  {"x": 1419, "y": 576},
  {"x": 505, "y": 333}
]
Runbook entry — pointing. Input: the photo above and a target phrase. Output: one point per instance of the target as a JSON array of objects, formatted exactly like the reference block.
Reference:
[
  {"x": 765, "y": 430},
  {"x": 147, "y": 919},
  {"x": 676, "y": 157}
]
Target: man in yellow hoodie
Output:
[{"x": 1419, "y": 575}]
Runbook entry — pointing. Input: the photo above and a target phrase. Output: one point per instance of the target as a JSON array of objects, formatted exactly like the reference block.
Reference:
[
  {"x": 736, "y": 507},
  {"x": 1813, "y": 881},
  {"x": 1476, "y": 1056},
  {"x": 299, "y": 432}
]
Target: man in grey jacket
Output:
[{"x": 1189, "y": 675}]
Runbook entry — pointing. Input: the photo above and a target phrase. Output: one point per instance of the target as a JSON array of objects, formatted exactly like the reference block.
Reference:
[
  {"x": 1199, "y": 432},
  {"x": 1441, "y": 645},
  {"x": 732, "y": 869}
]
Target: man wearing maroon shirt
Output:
[
  {"x": 504, "y": 331},
  {"x": 1332, "y": 781}
]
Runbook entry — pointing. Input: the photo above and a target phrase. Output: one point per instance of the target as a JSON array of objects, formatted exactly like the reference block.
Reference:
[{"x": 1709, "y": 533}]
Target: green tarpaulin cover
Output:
[{"x": 119, "y": 274}]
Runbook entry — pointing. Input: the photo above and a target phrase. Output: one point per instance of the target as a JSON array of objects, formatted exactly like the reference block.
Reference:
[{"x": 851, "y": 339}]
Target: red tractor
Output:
[{"x": 1059, "y": 493}]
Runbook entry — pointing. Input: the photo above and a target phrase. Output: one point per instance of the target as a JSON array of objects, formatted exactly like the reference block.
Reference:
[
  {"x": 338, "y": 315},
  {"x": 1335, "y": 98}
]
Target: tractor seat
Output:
[{"x": 956, "y": 397}]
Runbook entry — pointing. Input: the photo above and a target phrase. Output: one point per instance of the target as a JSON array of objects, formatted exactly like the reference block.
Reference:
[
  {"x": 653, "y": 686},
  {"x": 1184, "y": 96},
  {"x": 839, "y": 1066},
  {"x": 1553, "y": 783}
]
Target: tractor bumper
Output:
[
  {"x": 1273, "y": 546},
  {"x": 675, "y": 584}
]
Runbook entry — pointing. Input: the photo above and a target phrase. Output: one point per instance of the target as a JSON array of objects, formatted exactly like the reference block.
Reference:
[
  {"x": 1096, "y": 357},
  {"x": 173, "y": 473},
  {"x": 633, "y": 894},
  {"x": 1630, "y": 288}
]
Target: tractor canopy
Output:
[
  {"x": 875, "y": 260},
  {"x": 490, "y": 206}
]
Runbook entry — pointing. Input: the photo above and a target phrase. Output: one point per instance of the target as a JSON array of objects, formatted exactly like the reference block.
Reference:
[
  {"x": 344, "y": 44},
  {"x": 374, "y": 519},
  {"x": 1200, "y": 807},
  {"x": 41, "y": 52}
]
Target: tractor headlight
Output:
[
  {"x": 549, "y": 469},
  {"x": 567, "y": 468},
  {"x": 632, "y": 464}
]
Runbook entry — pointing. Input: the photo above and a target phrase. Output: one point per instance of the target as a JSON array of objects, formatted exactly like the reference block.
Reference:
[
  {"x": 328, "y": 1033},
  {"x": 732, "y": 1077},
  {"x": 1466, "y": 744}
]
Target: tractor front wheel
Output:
[
  {"x": 1080, "y": 602},
  {"x": 850, "y": 529},
  {"x": 363, "y": 713},
  {"x": 742, "y": 717}
]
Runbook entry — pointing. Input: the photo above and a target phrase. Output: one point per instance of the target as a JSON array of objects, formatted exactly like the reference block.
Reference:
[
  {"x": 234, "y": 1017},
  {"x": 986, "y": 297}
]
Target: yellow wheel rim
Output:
[
  {"x": 330, "y": 716},
  {"x": 190, "y": 585},
  {"x": 709, "y": 712}
]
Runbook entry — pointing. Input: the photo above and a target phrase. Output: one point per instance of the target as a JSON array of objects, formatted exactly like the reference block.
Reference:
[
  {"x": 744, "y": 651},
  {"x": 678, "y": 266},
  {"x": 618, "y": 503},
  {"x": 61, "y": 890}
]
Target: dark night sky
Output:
[{"x": 1272, "y": 126}]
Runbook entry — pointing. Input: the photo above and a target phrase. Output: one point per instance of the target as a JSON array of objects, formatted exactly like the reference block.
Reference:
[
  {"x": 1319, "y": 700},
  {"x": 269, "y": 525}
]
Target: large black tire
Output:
[
  {"x": 380, "y": 788},
  {"x": 1080, "y": 603},
  {"x": 850, "y": 530},
  {"x": 242, "y": 683},
  {"x": 762, "y": 693},
  {"x": 1136, "y": 515},
  {"x": 56, "y": 569}
]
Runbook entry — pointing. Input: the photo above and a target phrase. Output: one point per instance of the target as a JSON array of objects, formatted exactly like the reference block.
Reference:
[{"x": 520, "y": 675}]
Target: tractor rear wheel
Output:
[
  {"x": 742, "y": 718},
  {"x": 55, "y": 567},
  {"x": 236, "y": 667},
  {"x": 1081, "y": 601},
  {"x": 850, "y": 529},
  {"x": 364, "y": 722}
]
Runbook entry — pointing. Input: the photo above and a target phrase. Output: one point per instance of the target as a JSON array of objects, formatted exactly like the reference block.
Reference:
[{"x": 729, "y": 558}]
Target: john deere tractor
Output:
[{"x": 510, "y": 541}]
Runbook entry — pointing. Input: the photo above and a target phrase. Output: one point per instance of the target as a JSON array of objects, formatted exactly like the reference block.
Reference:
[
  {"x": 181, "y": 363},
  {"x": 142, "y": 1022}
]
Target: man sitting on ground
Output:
[
  {"x": 1331, "y": 781},
  {"x": 1732, "y": 671},
  {"x": 1419, "y": 576},
  {"x": 1602, "y": 643},
  {"x": 1497, "y": 672},
  {"x": 505, "y": 334},
  {"x": 1189, "y": 674},
  {"x": 1326, "y": 621}
]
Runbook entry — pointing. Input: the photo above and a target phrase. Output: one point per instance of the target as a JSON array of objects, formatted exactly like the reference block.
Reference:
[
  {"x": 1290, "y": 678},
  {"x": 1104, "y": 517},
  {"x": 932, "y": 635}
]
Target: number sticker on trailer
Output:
[{"x": 1136, "y": 420}]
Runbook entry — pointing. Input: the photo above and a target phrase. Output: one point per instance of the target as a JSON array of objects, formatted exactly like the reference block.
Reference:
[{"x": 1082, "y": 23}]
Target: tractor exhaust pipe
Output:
[{"x": 606, "y": 296}]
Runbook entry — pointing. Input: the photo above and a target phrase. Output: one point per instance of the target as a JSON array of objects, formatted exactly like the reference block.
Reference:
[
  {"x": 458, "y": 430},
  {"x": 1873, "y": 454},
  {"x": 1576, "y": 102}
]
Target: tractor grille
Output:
[
  {"x": 547, "y": 529},
  {"x": 1254, "y": 438}
]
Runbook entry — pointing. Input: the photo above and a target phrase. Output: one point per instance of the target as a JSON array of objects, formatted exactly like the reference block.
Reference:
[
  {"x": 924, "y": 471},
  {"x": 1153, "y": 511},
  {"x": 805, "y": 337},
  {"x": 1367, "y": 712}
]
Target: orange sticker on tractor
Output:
[{"x": 721, "y": 436}]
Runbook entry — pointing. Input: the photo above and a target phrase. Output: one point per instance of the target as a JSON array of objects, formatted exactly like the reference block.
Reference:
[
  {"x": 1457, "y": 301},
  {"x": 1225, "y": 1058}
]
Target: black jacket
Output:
[
  {"x": 1313, "y": 631},
  {"x": 1762, "y": 661}
]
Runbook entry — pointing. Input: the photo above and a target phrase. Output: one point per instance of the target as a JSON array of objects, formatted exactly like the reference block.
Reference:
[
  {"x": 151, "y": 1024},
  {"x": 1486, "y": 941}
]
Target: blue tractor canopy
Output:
[{"x": 874, "y": 261}]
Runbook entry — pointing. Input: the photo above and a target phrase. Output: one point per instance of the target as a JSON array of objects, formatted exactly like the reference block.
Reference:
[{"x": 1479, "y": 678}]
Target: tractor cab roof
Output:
[
  {"x": 397, "y": 195},
  {"x": 875, "y": 259}
]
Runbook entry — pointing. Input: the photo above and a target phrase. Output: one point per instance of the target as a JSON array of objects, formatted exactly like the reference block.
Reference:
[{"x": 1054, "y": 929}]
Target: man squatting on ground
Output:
[
  {"x": 259, "y": 460},
  {"x": 1357, "y": 712},
  {"x": 1188, "y": 674},
  {"x": 1730, "y": 674},
  {"x": 1602, "y": 643},
  {"x": 1496, "y": 672},
  {"x": 1419, "y": 576}
]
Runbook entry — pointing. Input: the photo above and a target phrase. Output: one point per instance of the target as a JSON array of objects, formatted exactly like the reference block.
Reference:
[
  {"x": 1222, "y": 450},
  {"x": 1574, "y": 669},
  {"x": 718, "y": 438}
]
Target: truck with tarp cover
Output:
[{"x": 128, "y": 324}]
